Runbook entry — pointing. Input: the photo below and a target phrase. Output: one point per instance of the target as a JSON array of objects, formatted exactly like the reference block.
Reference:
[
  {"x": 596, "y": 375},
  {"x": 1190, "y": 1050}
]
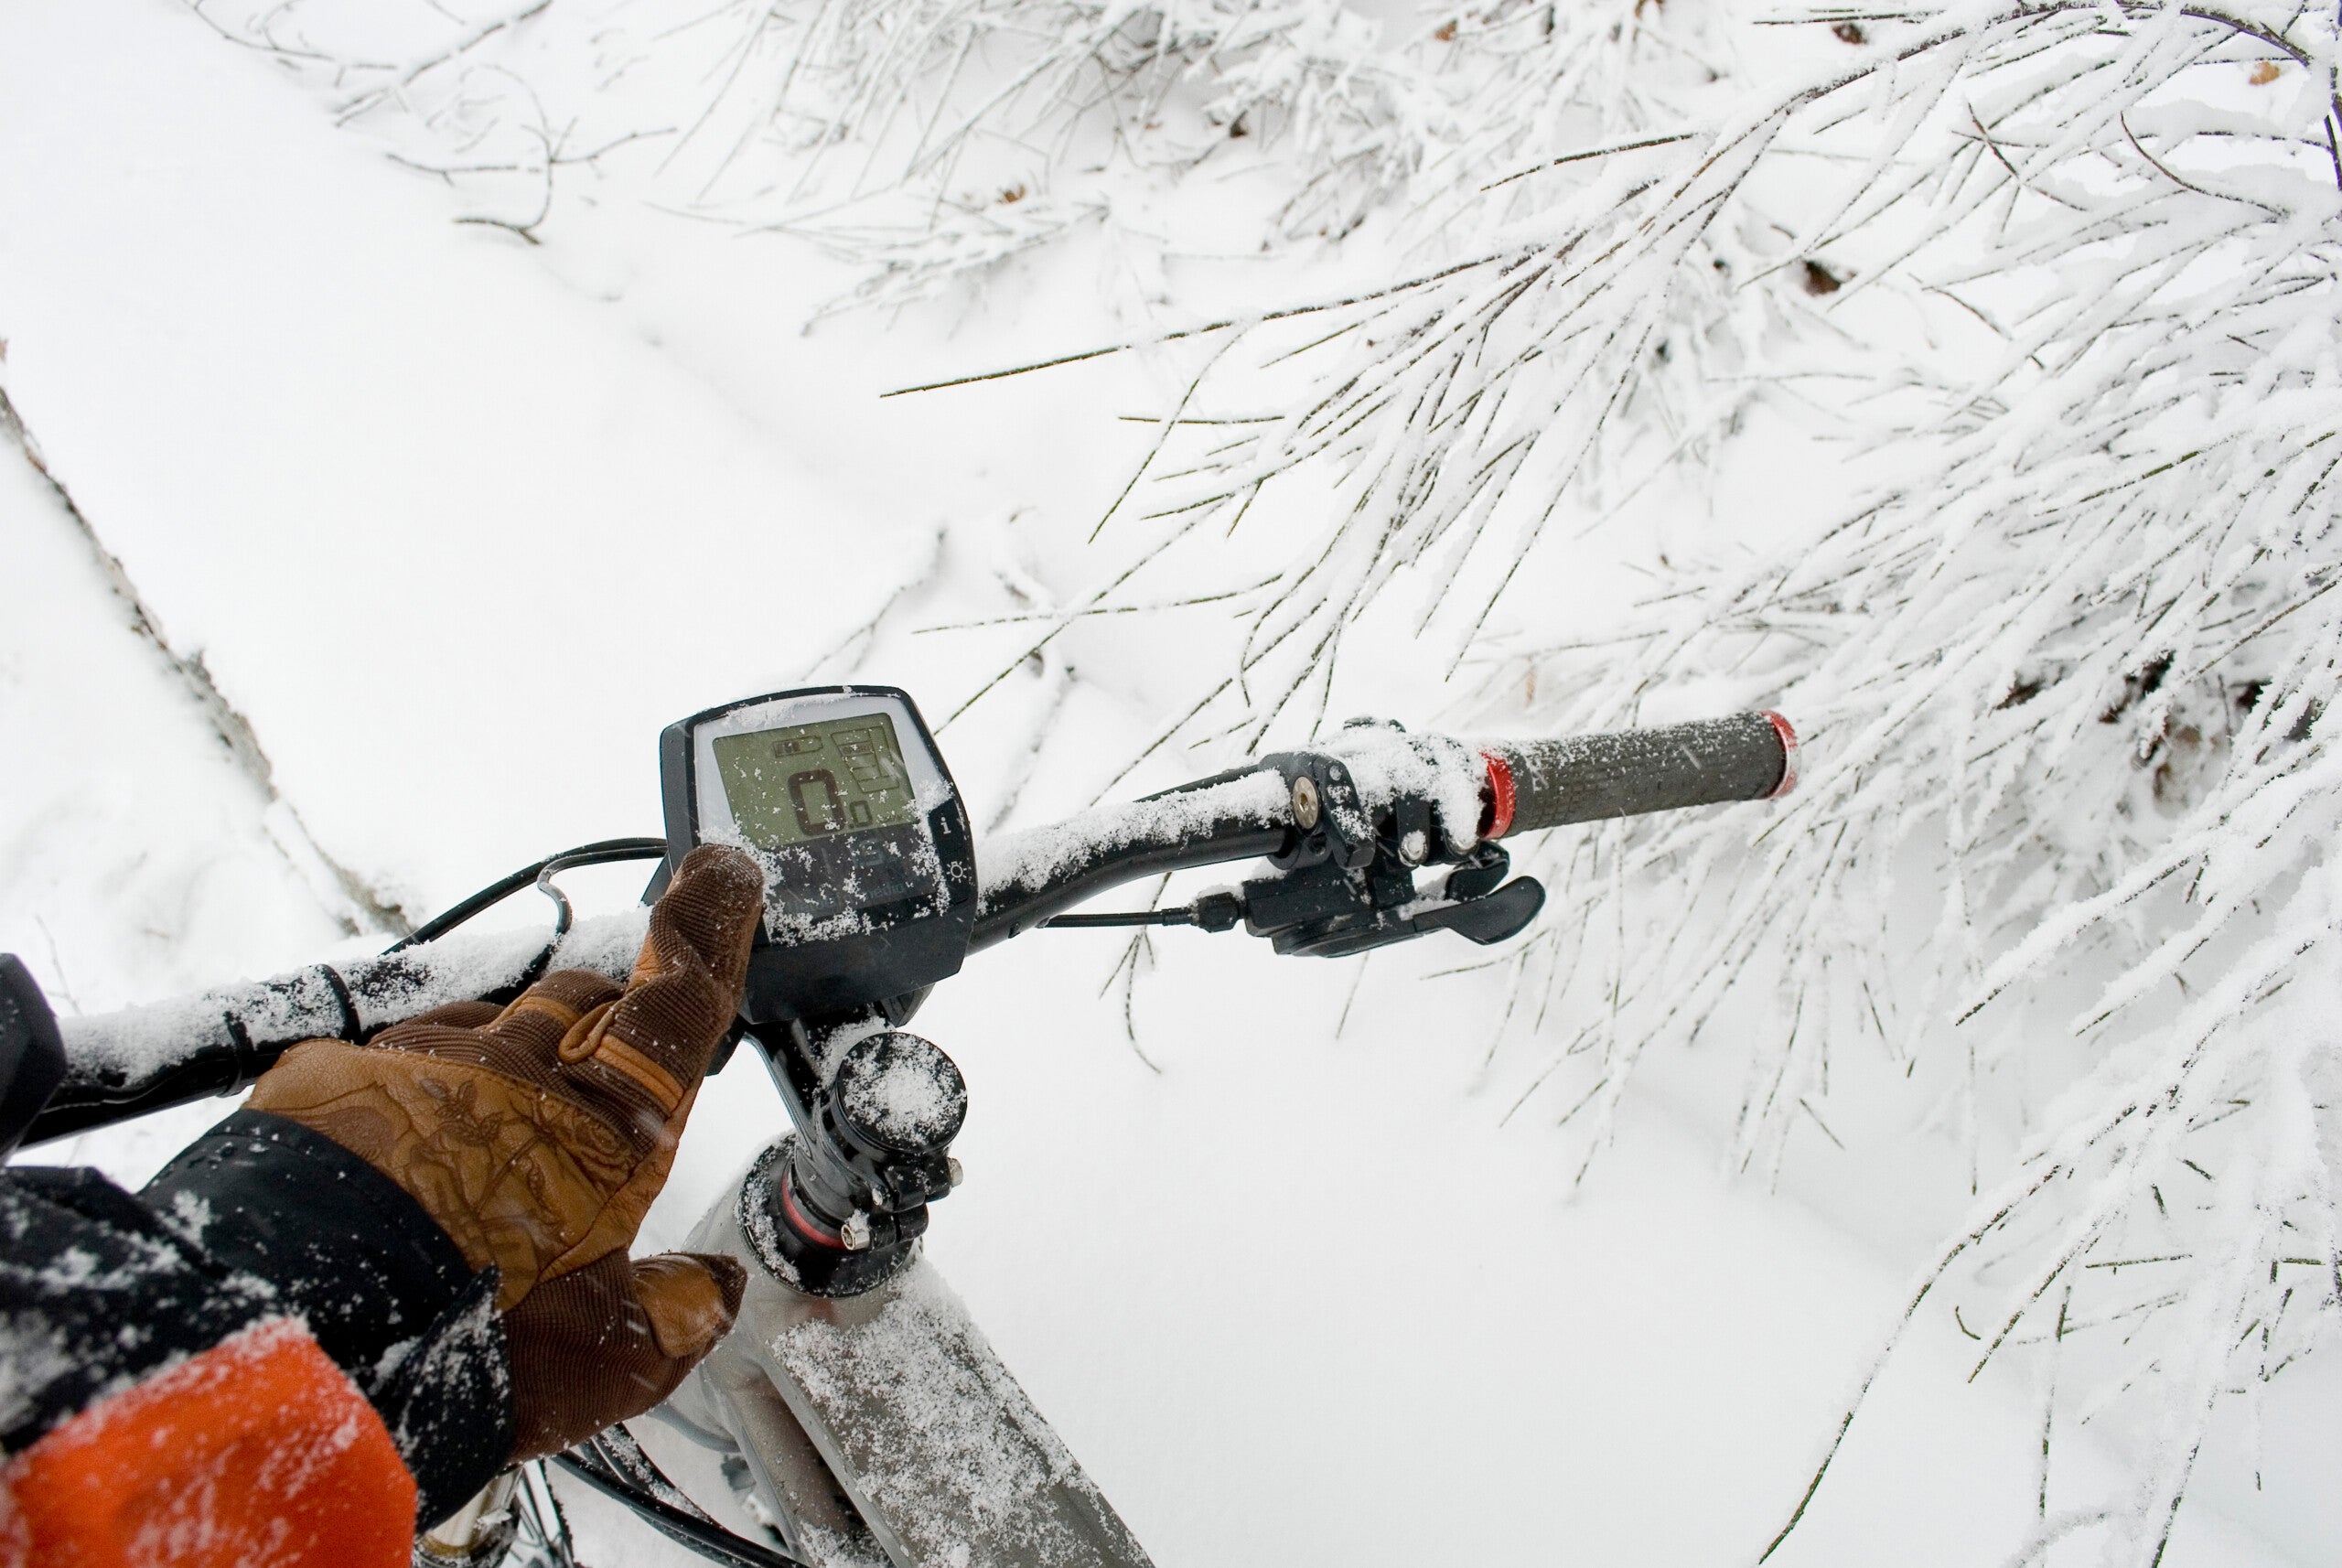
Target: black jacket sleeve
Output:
[{"x": 260, "y": 1217}]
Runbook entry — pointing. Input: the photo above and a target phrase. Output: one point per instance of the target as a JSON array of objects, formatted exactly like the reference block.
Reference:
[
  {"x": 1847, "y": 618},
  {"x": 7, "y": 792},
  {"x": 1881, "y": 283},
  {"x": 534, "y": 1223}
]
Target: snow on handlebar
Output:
[{"x": 121, "y": 1065}]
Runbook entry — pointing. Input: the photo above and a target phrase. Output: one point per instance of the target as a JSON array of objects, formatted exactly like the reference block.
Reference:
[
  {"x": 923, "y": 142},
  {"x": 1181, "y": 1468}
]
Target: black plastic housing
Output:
[{"x": 909, "y": 946}]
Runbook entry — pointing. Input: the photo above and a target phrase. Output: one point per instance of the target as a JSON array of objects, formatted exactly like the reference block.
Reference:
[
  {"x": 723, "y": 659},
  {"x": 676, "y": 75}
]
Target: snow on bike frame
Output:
[{"x": 843, "y": 796}]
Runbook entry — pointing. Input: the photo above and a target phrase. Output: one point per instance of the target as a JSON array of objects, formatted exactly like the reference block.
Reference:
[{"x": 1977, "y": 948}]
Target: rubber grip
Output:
[{"x": 1587, "y": 779}]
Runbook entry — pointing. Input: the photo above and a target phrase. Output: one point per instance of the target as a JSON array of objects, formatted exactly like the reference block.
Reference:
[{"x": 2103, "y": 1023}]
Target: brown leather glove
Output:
[{"x": 537, "y": 1135}]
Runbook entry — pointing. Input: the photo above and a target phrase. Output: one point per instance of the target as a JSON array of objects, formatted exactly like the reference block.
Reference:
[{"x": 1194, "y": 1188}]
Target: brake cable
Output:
[{"x": 539, "y": 873}]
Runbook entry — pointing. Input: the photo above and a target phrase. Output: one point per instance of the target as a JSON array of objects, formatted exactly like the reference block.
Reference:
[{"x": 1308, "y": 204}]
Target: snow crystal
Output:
[
  {"x": 34, "y": 1353},
  {"x": 190, "y": 1216}
]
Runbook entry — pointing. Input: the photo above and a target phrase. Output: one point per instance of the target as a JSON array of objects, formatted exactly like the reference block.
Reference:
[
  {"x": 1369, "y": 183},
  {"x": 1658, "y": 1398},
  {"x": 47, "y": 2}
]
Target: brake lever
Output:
[
  {"x": 1482, "y": 918},
  {"x": 1490, "y": 918}
]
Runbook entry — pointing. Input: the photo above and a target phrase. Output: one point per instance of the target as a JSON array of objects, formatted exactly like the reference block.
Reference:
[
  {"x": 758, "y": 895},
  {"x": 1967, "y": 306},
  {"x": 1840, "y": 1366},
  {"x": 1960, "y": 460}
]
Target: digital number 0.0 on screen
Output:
[{"x": 810, "y": 781}]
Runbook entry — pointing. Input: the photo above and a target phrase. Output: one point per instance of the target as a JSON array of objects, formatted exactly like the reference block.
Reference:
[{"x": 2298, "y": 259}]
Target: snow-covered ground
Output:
[{"x": 455, "y": 524}]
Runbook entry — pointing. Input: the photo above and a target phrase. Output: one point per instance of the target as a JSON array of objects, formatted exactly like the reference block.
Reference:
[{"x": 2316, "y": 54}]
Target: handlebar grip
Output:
[{"x": 1583, "y": 778}]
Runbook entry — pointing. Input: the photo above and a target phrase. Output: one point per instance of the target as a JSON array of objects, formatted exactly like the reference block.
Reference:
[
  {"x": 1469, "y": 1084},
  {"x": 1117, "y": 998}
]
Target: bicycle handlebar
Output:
[
  {"x": 125, "y": 1064},
  {"x": 1028, "y": 877}
]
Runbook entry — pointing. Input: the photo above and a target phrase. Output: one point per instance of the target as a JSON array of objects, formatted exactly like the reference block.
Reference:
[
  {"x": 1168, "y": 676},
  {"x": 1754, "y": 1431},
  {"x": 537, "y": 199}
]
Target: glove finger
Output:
[
  {"x": 538, "y": 1018},
  {"x": 454, "y": 1015},
  {"x": 685, "y": 989},
  {"x": 711, "y": 909},
  {"x": 524, "y": 1040},
  {"x": 691, "y": 1299},
  {"x": 591, "y": 1348},
  {"x": 521, "y": 1038}
]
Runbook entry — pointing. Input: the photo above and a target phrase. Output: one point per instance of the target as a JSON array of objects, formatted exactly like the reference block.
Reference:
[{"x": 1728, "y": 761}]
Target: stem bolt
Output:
[
  {"x": 856, "y": 1233},
  {"x": 951, "y": 1166},
  {"x": 1305, "y": 802}
]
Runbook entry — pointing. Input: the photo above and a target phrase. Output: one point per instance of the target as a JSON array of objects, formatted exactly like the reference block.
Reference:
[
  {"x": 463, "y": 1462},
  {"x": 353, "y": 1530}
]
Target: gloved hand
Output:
[{"x": 536, "y": 1137}]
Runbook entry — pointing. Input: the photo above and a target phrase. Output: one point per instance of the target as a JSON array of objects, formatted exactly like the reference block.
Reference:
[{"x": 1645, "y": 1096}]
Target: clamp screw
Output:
[
  {"x": 856, "y": 1233},
  {"x": 1305, "y": 802},
  {"x": 952, "y": 1166}
]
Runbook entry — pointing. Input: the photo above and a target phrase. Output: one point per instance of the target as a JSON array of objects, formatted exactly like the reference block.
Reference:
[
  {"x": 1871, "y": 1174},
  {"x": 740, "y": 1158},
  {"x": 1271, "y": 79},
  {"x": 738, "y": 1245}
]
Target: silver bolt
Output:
[
  {"x": 1305, "y": 802},
  {"x": 951, "y": 1170},
  {"x": 856, "y": 1233}
]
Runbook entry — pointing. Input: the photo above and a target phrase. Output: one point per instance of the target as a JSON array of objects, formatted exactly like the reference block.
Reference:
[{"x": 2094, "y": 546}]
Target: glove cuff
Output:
[
  {"x": 449, "y": 1403},
  {"x": 345, "y": 1246},
  {"x": 384, "y": 1291}
]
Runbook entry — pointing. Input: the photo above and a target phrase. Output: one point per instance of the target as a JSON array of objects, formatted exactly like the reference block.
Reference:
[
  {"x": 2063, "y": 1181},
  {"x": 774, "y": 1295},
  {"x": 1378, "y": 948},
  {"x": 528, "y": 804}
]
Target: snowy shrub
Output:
[
  {"x": 923, "y": 139},
  {"x": 937, "y": 135},
  {"x": 2055, "y": 280},
  {"x": 2068, "y": 656}
]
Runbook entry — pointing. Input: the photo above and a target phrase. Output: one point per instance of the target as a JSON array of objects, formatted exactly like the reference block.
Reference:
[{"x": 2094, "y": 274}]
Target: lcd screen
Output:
[{"x": 815, "y": 781}]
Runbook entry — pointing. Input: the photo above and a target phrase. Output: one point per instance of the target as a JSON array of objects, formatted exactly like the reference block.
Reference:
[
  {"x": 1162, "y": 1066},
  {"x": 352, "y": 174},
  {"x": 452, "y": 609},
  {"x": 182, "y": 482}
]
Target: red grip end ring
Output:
[
  {"x": 1497, "y": 820},
  {"x": 1782, "y": 727}
]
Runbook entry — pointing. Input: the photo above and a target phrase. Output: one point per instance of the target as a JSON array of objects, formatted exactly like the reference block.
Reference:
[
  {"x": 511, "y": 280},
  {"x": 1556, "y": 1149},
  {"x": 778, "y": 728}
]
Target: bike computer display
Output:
[{"x": 870, "y": 878}]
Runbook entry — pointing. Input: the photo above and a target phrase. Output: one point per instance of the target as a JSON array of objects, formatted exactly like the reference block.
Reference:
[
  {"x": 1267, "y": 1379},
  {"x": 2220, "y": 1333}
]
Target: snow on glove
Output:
[{"x": 536, "y": 1136}]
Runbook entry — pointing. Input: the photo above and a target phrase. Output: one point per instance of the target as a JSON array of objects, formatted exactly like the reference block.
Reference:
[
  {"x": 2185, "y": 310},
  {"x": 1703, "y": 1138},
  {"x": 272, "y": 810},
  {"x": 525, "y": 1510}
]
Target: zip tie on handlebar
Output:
[
  {"x": 250, "y": 1063},
  {"x": 1497, "y": 820},
  {"x": 1787, "y": 733},
  {"x": 351, "y": 1029}
]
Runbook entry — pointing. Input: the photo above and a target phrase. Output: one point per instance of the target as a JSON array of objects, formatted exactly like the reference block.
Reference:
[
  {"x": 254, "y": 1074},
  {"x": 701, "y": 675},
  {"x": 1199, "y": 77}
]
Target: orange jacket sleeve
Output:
[
  {"x": 271, "y": 1357},
  {"x": 256, "y": 1453}
]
